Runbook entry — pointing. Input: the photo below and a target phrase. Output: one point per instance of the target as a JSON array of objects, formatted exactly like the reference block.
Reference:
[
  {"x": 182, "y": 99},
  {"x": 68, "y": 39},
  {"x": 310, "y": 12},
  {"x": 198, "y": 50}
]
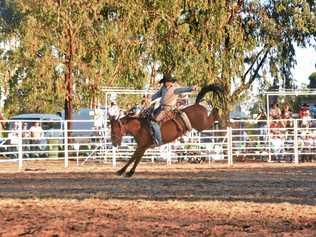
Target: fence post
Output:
[
  {"x": 104, "y": 134},
  {"x": 66, "y": 143},
  {"x": 20, "y": 146},
  {"x": 295, "y": 142},
  {"x": 114, "y": 157},
  {"x": 169, "y": 155},
  {"x": 230, "y": 145}
]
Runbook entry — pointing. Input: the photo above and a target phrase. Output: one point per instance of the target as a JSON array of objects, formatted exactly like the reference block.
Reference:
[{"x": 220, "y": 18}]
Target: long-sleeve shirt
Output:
[{"x": 169, "y": 95}]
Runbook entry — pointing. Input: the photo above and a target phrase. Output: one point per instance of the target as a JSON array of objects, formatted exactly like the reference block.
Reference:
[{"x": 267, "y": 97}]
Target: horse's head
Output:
[{"x": 117, "y": 131}]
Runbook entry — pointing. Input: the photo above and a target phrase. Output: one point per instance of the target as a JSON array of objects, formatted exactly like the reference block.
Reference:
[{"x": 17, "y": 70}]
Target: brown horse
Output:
[{"x": 139, "y": 127}]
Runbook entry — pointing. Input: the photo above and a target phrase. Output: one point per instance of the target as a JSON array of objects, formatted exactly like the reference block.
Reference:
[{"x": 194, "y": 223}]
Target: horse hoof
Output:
[
  {"x": 129, "y": 174},
  {"x": 120, "y": 172}
]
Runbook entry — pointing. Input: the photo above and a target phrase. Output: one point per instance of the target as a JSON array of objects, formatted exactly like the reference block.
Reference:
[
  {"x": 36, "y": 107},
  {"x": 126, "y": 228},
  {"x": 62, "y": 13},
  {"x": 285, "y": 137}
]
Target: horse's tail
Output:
[{"x": 215, "y": 88}]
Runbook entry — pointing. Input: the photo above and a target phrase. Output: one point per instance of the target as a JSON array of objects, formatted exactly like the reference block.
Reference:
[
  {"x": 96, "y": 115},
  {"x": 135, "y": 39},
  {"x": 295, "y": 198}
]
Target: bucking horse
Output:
[{"x": 194, "y": 116}]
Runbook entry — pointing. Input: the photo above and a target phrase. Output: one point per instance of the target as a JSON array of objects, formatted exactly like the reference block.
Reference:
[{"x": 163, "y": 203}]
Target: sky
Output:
[{"x": 306, "y": 62}]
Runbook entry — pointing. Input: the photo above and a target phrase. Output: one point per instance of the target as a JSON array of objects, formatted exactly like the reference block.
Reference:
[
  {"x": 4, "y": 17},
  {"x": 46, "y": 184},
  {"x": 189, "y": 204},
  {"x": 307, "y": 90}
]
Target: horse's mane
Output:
[{"x": 128, "y": 118}]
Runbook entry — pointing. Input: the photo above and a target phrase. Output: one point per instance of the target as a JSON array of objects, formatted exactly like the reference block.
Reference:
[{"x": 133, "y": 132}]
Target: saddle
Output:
[
  {"x": 148, "y": 115},
  {"x": 169, "y": 115}
]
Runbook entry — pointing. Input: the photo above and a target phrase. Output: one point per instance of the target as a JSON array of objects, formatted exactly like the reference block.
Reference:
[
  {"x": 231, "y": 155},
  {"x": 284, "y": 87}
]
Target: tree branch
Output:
[
  {"x": 252, "y": 65},
  {"x": 246, "y": 86}
]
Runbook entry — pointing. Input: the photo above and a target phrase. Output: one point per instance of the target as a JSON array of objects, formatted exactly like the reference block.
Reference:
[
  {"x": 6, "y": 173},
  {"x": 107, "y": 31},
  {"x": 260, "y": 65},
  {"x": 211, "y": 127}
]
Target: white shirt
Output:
[{"x": 36, "y": 132}]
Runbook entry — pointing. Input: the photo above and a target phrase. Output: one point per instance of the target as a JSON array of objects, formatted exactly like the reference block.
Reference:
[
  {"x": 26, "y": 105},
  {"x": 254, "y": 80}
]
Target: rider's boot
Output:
[{"x": 156, "y": 133}]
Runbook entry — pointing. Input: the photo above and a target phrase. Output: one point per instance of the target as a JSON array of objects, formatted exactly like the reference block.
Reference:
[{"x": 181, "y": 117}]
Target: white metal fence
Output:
[{"x": 247, "y": 139}]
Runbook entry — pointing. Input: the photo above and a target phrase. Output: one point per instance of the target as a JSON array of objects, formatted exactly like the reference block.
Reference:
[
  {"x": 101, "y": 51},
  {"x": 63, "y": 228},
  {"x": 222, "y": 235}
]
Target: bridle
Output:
[
  {"x": 122, "y": 127},
  {"x": 122, "y": 130}
]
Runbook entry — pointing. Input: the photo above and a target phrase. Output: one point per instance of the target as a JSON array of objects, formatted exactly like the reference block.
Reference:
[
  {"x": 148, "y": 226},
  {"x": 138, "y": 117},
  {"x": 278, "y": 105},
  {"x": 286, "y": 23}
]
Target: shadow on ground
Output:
[{"x": 297, "y": 186}]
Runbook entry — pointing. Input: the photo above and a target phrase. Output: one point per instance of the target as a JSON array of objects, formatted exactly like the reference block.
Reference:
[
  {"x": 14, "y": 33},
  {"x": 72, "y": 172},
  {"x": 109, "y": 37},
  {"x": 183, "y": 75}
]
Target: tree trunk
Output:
[
  {"x": 69, "y": 82},
  {"x": 68, "y": 99},
  {"x": 3, "y": 123},
  {"x": 225, "y": 120}
]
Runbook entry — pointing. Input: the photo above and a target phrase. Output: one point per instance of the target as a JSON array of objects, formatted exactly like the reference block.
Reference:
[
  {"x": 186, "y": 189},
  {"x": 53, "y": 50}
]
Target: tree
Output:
[
  {"x": 63, "y": 53},
  {"x": 50, "y": 37},
  {"x": 10, "y": 20},
  {"x": 227, "y": 42},
  {"x": 312, "y": 81},
  {"x": 88, "y": 44}
]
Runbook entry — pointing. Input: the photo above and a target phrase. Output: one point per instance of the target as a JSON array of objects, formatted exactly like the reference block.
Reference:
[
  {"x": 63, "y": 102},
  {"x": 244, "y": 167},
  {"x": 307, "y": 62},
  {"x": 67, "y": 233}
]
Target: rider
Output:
[{"x": 168, "y": 93}]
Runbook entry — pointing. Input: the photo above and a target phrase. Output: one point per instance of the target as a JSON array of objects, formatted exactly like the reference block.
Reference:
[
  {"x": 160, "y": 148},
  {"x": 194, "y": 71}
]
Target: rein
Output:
[{"x": 122, "y": 128}]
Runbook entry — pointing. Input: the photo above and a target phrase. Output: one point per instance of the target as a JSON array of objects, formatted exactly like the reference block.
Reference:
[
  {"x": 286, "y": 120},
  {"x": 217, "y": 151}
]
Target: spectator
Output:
[
  {"x": 287, "y": 116},
  {"x": 275, "y": 128},
  {"x": 98, "y": 117},
  {"x": 306, "y": 119},
  {"x": 14, "y": 137},
  {"x": 36, "y": 132},
  {"x": 277, "y": 140},
  {"x": 262, "y": 124},
  {"x": 26, "y": 135},
  {"x": 275, "y": 111},
  {"x": 302, "y": 110},
  {"x": 244, "y": 139},
  {"x": 25, "y": 132},
  {"x": 114, "y": 110}
]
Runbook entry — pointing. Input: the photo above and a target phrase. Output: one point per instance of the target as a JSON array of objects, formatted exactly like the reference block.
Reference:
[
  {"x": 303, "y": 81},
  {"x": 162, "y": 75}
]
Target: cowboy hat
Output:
[{"x": 166, "y": 78}]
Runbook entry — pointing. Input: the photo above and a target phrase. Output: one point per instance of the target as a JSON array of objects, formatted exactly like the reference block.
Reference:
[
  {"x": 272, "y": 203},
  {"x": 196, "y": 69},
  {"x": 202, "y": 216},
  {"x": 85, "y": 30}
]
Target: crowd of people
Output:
[
  {"x": 281, "y": 128},
  {"x": 283, "y": 118},
  {"x": 32, "y": 136}
]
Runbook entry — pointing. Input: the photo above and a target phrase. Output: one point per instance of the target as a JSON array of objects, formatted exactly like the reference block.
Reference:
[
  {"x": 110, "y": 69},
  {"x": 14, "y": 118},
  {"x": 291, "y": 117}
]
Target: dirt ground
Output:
[{"x": 179, "y": 200}]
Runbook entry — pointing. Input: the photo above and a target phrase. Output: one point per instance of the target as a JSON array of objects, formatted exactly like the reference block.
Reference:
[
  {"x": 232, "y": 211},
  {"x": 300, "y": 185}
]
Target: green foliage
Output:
[
  {"x": 312, "y": 80},
  {"x": 127, "y": 43}
]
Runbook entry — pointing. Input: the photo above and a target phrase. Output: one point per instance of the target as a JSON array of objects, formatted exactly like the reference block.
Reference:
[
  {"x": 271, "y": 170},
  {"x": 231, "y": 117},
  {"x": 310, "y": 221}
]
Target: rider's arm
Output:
[
  {"x": 182, "y": 90},
  {"x": 156, "y": 95}
]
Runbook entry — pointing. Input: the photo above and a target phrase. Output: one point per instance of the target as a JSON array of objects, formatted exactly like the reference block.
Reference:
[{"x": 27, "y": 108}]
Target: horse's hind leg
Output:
[
  {"x": 123, "y": 169},
  {"x": 137, "y": 157}
]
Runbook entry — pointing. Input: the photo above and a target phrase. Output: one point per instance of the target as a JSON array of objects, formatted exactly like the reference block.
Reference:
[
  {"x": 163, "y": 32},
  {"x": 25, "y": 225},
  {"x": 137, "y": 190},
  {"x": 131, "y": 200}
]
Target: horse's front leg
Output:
[{"x": 138, "y": 154}]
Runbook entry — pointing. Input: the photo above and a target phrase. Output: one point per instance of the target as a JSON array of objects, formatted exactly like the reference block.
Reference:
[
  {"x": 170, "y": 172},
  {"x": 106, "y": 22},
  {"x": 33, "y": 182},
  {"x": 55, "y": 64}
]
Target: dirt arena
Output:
[{"x": 181, "y": 200}]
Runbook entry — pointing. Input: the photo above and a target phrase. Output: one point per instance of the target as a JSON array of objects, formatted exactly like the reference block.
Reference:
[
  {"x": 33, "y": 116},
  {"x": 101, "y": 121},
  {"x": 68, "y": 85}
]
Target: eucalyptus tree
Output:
[
  {"x": 53, "y": 40},
  {"x": 69, "y": 49},
  {"x": 312, "y": 80},
  {"x": 64, "y": 53},
  {"x": 225, "y": 41},
  {"x": 10, "y": 20}
]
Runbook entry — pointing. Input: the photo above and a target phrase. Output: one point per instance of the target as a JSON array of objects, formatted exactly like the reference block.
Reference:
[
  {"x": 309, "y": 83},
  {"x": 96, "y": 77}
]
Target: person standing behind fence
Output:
[
  {"x": 287, "y": 116},
  {"x": 36, "y": 134},
  {"x": 14, "y": 138},
  {"x": 306, "y": 119},
  {"x": 26, "y": 135},
  {"x": 275, "y": 111},
  {"x": 262, "y": 124}
]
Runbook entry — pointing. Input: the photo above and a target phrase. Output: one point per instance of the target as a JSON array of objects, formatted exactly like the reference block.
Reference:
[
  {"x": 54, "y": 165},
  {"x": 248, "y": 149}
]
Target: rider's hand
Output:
[{"x": 194, "y": 88}]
